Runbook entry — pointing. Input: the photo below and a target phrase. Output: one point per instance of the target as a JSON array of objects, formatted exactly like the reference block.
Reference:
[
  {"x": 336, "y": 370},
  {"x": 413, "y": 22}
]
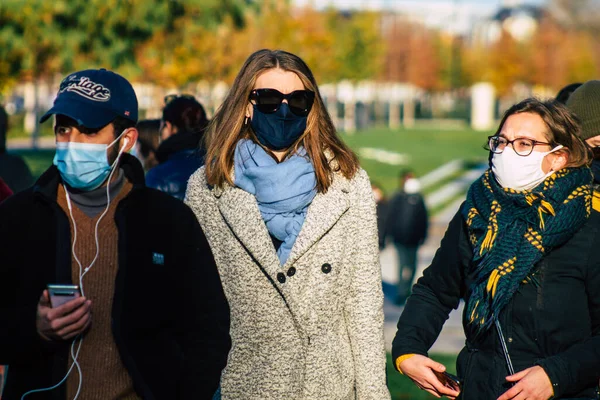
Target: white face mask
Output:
[
  {"x": 411, "y": 186},
  {"x": 520, "y": 172}
]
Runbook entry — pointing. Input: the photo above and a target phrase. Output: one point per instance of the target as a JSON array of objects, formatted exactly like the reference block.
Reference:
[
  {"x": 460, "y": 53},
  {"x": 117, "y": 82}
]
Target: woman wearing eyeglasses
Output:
[
  {"x": 523, "y": 253},
  {"x": 291, "y": 221}
]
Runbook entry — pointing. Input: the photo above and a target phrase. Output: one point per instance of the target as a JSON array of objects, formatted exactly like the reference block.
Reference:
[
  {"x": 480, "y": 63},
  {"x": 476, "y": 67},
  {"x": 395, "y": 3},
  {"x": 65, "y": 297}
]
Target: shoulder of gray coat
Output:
[
  {"x": 361, "y": 181},
  {"x": 359, "y": 185},
  {"x": 197, "y": 186}
]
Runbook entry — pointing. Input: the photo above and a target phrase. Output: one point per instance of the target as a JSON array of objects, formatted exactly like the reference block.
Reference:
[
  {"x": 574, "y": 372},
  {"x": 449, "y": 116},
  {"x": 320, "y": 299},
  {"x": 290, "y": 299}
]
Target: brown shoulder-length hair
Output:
[
  {"x": 563, "y": 128},
  {"x": 229, "y": 124}
]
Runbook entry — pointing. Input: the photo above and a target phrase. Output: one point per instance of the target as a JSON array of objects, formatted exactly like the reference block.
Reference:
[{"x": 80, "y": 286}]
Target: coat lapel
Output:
[
  {"x": 240, "y": 211},
  {"x": 322, "y": 214}
]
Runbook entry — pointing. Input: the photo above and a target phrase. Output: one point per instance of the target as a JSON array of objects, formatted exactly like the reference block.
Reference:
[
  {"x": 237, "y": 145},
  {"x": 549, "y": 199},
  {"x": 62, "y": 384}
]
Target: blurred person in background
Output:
[
  {"x": 381, "y": 203},
  {"x": 563, "y": 94},
  {"x": 407, "y": 224},
  {"x": 522, "y": 251},
  {"x": 291, "y": 220},
  {"x": 180, "y": 153},
  {"x": 147, "y": 143},
  {"x": 585, "y": 103},
  {"x": 13, "y": 169}
]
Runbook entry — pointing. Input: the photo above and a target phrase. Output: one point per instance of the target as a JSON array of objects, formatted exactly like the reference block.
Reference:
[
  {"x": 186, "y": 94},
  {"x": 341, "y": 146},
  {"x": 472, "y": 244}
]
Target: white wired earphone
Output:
[{"x": 79, "y": 338}]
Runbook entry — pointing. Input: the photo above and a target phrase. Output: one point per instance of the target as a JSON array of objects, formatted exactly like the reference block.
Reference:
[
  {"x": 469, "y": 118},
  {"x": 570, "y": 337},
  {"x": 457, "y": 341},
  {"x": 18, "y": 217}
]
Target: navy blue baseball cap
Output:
[{"x": 94, "y": 98}]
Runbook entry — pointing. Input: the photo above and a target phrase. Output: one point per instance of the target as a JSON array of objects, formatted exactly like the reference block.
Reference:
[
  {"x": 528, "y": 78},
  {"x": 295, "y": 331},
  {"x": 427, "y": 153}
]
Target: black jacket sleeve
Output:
[
  {"x": 578, "y": 366},
  {"x": 205, "y": 336},
  {"x": 19, "y": 340},
  {"x": 435, "y": 294}
]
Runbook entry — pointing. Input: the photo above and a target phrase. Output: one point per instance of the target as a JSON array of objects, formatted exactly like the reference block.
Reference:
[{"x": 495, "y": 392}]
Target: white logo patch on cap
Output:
[{"x": 86, "y": 88}]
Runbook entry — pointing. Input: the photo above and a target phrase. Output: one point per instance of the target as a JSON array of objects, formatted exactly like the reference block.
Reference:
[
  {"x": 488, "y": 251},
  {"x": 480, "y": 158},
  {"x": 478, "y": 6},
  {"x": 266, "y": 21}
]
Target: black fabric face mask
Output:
[{"x": 278, "y": 130}]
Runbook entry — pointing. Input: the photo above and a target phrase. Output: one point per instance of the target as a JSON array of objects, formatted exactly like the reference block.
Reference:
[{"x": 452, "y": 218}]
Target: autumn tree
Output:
[
  {"x": 301, "y": 31},
  {"x": 420, "y": 55},
  {"x": 334, "y": 46},
  {"x": 205, "y": 42},
  {"x": 358, "y": 49},
  {"x": 46, "y": 37}
]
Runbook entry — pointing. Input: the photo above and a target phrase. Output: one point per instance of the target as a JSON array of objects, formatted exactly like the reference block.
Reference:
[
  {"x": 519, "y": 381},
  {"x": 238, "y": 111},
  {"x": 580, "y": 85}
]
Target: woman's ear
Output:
[{"x": 560, "y": 159}]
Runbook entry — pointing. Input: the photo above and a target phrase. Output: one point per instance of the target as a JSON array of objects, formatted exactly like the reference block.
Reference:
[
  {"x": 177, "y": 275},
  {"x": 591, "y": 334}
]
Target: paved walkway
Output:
[{"x": 452, "y": 338}]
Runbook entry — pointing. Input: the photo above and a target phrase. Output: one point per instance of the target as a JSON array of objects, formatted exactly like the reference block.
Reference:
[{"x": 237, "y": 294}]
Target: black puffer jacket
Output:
[
  {"x": 170, "y": 319},
  {"x": 555, "y": 325}
]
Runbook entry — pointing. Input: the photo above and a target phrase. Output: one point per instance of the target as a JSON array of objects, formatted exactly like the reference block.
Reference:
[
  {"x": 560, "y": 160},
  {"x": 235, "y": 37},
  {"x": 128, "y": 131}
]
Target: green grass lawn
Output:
[
  {"x": 402, "y": 388},
  {"x": 427, "y": 149}
]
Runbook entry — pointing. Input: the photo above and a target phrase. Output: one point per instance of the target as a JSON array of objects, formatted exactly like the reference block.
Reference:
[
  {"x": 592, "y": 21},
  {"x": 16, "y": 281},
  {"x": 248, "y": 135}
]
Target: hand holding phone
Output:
[
  {"x": 61, "y": 294},
  {"x": 448, "y": 380},
  {"x": 62, "y": 313},
  {"x": 425, "y": 373}
]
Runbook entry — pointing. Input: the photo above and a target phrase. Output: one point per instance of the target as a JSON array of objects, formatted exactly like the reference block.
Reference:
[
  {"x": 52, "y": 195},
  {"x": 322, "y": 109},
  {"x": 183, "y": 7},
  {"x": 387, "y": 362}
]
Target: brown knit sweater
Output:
[{"x": 104, "y": 375}]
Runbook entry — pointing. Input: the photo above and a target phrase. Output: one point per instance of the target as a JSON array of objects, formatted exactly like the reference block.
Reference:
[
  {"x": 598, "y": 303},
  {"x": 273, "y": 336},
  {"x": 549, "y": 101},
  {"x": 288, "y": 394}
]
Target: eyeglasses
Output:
[
  {"x": 268, "y": 101},
  {"x": 170, "y": 97},
  {"x": 521, "y": 146}
]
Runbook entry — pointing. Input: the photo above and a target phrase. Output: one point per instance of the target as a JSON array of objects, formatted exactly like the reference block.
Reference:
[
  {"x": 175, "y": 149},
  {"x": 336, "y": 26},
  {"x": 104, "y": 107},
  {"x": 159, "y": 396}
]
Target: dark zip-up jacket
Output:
[
  {"x": 407, "y": 220},
  {"x": 170, "y": 318},
  {"x": 179, "y": 157},
  {"x": 555, "y": 325}
]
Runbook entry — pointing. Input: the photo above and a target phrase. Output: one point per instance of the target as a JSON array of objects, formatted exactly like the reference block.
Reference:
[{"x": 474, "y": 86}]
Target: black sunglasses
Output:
[{"x": 268, "y": 101}]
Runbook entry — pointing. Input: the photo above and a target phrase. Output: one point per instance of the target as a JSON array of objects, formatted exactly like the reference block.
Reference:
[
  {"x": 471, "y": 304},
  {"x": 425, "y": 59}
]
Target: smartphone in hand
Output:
[
  {"x": 448, "y": 380},
  {"x": 61, "y": 294}
]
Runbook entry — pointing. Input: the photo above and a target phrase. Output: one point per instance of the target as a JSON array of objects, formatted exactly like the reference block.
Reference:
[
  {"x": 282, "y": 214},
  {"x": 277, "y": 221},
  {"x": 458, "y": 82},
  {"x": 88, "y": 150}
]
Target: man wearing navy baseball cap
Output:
[{"x": 145, "y": 315}]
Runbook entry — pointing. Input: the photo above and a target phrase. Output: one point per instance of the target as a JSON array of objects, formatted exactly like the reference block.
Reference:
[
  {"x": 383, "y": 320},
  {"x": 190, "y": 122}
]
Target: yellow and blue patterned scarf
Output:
[{"x": 510, "y": 231}]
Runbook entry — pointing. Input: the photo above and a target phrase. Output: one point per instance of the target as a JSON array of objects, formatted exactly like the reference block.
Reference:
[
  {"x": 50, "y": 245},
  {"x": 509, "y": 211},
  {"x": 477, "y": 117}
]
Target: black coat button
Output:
[
  {"x": 326, "y": 268},
  {"x": 291, "y": 271},
  {"x": 281, "y": 277}
]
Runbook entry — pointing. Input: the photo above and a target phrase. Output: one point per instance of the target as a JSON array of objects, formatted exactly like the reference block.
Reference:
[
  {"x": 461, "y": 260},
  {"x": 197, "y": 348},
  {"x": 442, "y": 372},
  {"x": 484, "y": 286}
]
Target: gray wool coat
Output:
[{"x": 310, "y": 329}]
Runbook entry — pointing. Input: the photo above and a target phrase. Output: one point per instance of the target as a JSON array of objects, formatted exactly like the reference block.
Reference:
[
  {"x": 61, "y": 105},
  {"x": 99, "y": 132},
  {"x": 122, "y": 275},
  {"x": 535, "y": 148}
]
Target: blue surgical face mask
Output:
[
  {"x": 278, "y": 130},
  {"x": 83, "y": 166}
]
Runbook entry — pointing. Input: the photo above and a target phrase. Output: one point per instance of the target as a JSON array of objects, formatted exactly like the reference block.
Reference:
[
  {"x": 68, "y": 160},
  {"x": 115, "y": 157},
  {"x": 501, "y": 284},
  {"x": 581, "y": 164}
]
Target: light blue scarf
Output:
[{"x": 283, "y": 190}]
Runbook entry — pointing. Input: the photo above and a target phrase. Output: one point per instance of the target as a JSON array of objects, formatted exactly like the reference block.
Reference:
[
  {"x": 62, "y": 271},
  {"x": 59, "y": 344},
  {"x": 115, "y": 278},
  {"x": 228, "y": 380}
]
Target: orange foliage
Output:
[
  {"x": 191, "y": 52},
  {"x": 411, "y": 54}
]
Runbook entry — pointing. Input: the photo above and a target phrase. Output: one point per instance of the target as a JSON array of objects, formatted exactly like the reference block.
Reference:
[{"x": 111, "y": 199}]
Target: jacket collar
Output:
[
  {"x": 177, "y": 143},
  {"x": 324, "y": 211},
  {"x": 47, "y": 184},
  {"x": 240, "y": 211}
]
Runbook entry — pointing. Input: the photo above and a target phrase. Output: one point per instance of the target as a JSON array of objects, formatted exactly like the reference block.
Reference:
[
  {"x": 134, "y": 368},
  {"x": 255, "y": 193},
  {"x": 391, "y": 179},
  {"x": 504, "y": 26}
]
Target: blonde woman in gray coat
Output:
[{"x": 290, "y": 218}]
